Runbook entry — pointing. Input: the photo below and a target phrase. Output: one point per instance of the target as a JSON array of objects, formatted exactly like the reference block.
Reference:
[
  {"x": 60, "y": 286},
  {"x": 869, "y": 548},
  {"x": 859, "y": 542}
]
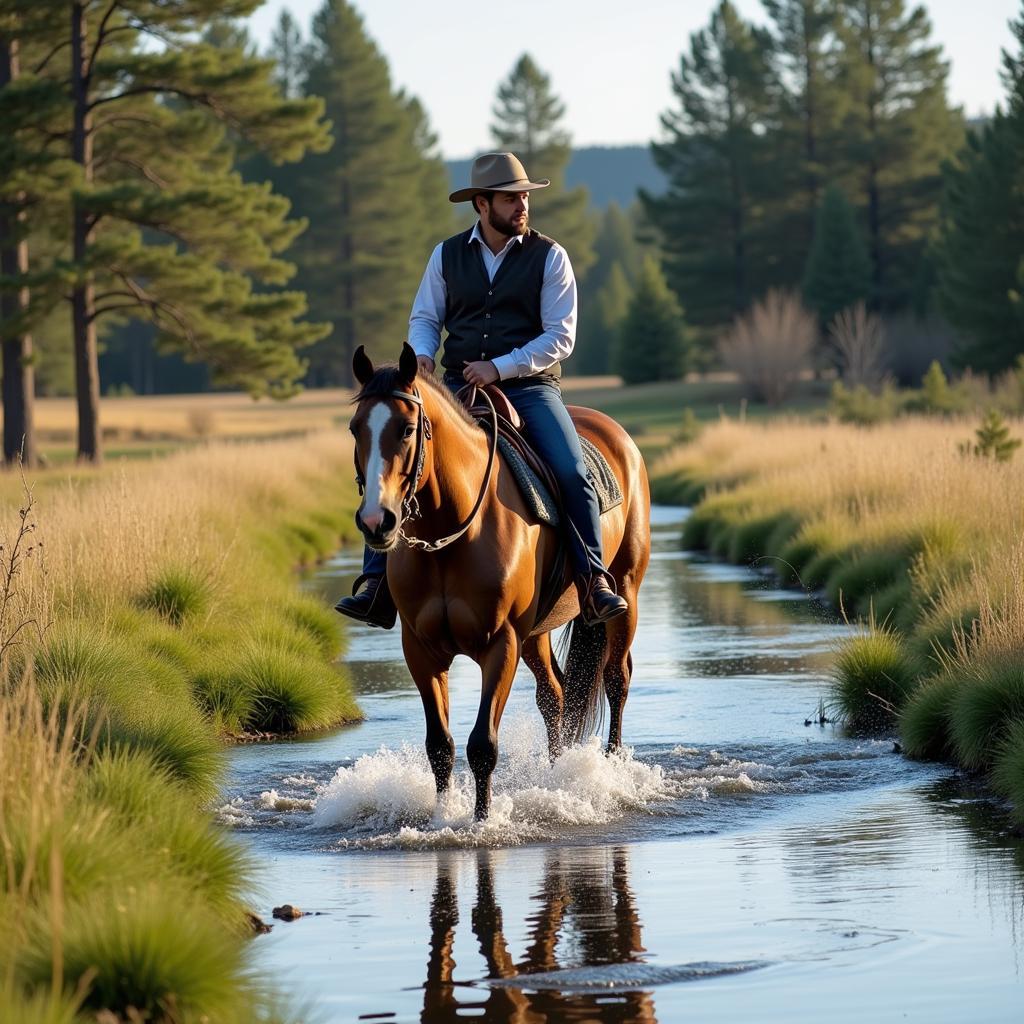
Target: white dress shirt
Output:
[{"x": 557, "y": 310}]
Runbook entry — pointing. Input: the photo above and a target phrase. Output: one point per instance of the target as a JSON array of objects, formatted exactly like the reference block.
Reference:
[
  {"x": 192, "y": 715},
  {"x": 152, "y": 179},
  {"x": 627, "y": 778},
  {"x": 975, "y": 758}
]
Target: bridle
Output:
[{"x": 410, "y": 503}]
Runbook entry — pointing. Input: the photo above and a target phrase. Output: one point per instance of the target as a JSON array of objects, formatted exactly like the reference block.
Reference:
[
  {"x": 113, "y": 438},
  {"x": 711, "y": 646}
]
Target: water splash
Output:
[{"x": 387, "y": 799}]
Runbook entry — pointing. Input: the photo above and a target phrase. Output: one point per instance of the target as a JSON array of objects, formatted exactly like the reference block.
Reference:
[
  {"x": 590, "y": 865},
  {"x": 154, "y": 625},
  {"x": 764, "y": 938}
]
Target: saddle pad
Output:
[{"x": 538, "y": 498}]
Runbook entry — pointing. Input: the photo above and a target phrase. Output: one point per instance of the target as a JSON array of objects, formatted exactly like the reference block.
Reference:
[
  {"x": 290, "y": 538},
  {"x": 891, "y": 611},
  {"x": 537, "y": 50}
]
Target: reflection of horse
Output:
[
  {"x": 478, "y": 592},
  {"x": 584, "y": 918}
]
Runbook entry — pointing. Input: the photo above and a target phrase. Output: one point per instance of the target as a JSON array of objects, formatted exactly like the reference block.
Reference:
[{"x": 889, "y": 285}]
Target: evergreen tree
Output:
[
  {"x": 287, "y": 50},
  {"x": 897, "y": 130},
  {"x": 605, "y": 292},
  {"x": 810, "y": 103},
  {"x": 980, "y": 250},
  {"x": 34, "y": 187},
  {"x": 160, "y": 224},
  {"x": 838, "y": 272},
  {"x": 373, "y": 222},
  {"x": 716, "y": 160},
  {"x": 527, "y": 117},
  {"x": 653, "y": 343}
]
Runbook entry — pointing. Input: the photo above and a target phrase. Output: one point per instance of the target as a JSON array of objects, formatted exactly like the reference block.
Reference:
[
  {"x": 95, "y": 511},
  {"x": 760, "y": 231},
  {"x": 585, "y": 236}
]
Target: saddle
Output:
[{"x": 535, "y": 480}]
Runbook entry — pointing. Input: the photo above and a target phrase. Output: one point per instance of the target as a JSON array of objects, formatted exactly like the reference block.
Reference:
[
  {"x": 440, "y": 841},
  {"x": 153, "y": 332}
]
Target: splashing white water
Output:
[{"x": 387, "y": 799}]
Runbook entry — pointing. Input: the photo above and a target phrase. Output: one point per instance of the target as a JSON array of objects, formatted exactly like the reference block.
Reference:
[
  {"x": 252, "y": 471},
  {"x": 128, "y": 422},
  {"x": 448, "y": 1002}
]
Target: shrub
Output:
[
  {"x": 858, "y": 337},
  {"x": 861, "y": 406},
  {"x": 769, "y": 347}
]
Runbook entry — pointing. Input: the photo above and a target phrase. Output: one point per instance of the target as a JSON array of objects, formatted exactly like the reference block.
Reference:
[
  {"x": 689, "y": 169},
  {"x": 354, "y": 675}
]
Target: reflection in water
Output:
[{"x": 586, "y": 916}]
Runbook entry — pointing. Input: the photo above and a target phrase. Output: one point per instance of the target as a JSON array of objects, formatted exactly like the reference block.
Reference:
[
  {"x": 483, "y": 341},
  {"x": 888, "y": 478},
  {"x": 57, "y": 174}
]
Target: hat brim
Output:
[{"x": 462, "y": 194}]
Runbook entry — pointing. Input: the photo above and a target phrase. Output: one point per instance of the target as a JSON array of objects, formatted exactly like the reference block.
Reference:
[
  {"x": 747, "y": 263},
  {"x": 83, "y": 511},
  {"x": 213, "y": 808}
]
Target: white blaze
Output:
[{"x": 379, "y": 417}]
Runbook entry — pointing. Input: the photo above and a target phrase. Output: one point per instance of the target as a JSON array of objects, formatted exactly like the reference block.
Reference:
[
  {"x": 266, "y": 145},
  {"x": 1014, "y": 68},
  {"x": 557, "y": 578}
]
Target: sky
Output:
[{"x": 608, "y": 60}]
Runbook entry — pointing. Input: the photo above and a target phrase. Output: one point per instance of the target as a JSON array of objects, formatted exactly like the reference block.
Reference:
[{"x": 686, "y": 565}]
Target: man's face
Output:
[{"x": 508, "y": 213}]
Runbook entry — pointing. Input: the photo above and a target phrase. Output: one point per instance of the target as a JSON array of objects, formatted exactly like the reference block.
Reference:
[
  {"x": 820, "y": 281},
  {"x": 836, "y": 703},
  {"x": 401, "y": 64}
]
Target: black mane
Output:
[{"x": 386, "y": 379}]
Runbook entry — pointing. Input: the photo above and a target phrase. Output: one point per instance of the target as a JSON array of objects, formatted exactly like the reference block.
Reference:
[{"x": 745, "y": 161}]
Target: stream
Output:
[{"x": 733, "y": 863}]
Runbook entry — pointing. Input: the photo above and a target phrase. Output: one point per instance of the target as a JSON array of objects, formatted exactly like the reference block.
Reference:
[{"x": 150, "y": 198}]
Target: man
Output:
[{"x": 507, "y": 297}]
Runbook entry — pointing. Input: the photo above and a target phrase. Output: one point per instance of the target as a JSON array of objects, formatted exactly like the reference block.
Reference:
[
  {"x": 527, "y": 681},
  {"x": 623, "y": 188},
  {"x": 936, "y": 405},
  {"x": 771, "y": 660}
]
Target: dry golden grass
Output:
[
  {"x": 104, "y": 531},
  {"x": 884, "y": 480}
]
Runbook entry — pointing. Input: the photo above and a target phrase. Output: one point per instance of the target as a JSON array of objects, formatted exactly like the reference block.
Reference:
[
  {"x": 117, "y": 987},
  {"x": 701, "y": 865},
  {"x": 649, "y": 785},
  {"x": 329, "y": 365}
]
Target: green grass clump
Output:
[
  {"x": 989, "y": 699},
  {"x": 925, "y": 719},
  {"x": 760, "y": 537},
  {"x": 858, "y": 578},
  {"x": 320, "y": 623},
  {"x": 132, "y": 701},
  {"x": 155, "y": 954},
  {"x": 291, "y": 692},
  {"x": 873, "y": 677},
  {"x": 1008, "y": 767},
  {"x": 37, "y": 1008},
  {"x": 177, "y": 593},
  {"x": 932, "y": 640}
]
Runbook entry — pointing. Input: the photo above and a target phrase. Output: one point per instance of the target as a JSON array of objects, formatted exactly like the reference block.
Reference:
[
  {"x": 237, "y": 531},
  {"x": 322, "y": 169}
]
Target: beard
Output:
[{"x": 505, "y": 226}]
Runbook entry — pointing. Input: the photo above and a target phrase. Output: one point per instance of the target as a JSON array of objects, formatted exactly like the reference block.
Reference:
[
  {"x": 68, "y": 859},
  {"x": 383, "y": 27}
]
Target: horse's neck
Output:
[{"x": 457, "y": 464}]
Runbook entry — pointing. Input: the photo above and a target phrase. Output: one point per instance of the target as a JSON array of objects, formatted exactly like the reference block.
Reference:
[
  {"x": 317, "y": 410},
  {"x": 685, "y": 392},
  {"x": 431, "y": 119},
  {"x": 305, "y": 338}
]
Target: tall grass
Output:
[
  {"x": 163, "y": 613},
  {"x": 903, "y": 530}
]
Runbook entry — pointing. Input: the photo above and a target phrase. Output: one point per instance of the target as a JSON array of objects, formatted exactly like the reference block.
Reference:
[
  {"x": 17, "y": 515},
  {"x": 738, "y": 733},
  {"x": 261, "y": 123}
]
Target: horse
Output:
[{"x": 466, "y": 565}]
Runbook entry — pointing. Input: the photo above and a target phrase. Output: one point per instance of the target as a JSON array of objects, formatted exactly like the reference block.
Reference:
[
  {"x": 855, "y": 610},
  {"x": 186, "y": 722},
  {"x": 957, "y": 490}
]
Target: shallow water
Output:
[{"x": 732, "y": 863}]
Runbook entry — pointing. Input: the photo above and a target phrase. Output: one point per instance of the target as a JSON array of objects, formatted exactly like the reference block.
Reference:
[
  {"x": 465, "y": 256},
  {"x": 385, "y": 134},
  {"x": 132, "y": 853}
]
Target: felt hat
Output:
[{"x": 496, "y": 172}]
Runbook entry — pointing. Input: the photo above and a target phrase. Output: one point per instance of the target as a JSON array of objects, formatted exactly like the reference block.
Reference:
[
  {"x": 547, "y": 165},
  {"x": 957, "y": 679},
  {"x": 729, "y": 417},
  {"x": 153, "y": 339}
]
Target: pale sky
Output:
[{"x": 609, "y": 60}]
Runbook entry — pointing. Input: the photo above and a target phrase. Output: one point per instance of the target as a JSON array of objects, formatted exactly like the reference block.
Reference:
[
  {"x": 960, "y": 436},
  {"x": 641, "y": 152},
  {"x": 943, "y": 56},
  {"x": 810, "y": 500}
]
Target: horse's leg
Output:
[
  {"x": 430, "y": 673},
  {"x": 540, "y": 660},
  {"x": 619, "y": 667},
  {"x": 498, "y": 665}
]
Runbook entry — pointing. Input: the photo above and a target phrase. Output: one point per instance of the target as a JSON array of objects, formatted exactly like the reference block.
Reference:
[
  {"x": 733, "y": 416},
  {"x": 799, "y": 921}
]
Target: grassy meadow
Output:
[
  {"x": 904, "y": 531},
  {"x": 148, "y": 612}
]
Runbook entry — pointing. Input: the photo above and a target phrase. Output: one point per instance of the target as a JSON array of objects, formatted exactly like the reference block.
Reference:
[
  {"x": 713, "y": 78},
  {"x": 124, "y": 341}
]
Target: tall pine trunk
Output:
[
  {"x": 83, "y": 297},
  {"x": 18, "y": 376}
]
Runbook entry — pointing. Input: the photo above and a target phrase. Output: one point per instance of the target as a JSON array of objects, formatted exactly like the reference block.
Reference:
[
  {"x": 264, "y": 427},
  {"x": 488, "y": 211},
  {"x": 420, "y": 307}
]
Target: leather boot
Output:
[
  {"x": 598, "y": 602},
  {"x": 370, "y": 602}
]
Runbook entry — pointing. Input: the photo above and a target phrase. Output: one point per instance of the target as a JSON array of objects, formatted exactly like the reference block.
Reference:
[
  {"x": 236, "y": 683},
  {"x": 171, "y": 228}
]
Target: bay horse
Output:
[{"x": 466, "y": 565}]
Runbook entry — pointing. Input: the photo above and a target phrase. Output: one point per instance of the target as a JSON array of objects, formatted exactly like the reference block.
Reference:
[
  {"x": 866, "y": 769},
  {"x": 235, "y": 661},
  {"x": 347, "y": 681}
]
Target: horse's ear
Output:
[
  {"x": 362, "y": 368},
  {"x": 407, "y": 365}
]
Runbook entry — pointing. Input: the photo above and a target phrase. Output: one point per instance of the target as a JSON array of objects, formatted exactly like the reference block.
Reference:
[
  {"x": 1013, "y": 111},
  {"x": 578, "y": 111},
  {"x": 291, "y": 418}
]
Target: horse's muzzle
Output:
[{"x": 380, "y": 529}]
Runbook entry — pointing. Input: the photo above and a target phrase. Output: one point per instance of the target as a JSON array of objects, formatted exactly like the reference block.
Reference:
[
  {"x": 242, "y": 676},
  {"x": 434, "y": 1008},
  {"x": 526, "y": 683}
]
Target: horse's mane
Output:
[{"x": 386, "y": 379}]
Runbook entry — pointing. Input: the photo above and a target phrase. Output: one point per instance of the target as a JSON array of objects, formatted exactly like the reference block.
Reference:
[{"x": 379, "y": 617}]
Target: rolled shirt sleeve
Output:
[
  {"x": 558, "y": 317},
  {"x": 427, "y": 315}
]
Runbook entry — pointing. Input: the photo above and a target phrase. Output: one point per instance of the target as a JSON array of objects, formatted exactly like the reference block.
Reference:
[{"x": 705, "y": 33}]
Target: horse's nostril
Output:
[{"x": 388, "y": 522}]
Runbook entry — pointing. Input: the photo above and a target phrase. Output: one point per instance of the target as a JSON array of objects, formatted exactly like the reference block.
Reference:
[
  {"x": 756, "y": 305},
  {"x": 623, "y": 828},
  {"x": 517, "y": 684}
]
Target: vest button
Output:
[
  {"x": 487, "y": 316},
  {"x": 490, "y": 293},
  {"x": 485, "y": 335}
]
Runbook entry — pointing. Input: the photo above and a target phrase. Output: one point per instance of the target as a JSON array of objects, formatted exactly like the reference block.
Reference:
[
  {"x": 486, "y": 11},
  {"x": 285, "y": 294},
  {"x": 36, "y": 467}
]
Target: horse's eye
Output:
[{"x": 409, "y": 431}]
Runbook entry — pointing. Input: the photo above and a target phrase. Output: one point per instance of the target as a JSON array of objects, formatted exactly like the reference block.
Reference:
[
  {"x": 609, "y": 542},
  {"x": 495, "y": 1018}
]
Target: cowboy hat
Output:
[{"x": 496, "y": 172}]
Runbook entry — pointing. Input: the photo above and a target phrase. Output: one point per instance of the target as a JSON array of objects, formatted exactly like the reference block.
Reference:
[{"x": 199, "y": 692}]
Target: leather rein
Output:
[{"x": 410, "y": 503}]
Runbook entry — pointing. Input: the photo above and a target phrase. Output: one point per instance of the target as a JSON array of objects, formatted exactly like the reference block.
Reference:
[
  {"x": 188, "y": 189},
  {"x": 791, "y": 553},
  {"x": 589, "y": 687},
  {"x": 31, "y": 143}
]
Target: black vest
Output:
[{"x": 485, "y": 319}]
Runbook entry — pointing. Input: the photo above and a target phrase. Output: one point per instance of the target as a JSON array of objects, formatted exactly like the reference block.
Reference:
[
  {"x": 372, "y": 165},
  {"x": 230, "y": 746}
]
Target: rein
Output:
[{"x": 410, "y": 504}]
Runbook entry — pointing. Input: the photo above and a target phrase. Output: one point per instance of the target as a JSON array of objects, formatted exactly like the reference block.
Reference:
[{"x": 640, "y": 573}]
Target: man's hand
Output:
[
  {"x": 425, "y": 365},
  {"x": 482, "y": 372}
]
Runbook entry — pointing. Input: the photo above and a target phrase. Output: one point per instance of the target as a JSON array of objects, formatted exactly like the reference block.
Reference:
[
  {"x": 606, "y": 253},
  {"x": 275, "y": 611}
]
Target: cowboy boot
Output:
[
  {"x": 370, "y": 602},
  {"x": 598, "y": 601}
]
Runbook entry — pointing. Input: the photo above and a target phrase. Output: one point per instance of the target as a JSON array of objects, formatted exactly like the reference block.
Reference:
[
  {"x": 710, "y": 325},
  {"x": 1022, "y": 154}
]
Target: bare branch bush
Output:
[
  {"x": 859, "y": 338},
  {"x": 770, "y": 346}
]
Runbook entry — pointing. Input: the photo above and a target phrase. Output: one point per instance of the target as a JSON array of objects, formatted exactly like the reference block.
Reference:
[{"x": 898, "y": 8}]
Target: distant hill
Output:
[{"x": 609, "y": 172}]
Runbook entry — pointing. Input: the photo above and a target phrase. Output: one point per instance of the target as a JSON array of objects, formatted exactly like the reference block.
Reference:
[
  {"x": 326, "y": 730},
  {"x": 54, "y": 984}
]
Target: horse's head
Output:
[{"x": 389, "y": 430}]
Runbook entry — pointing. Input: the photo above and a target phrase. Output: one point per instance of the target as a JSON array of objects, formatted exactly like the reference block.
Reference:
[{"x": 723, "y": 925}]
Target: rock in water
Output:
[{"x": 287, "y": 912}]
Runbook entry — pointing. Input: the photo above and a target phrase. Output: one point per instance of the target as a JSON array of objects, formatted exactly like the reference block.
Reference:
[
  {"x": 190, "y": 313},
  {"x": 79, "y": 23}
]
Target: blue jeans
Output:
[{"x": 550, "y": 430}]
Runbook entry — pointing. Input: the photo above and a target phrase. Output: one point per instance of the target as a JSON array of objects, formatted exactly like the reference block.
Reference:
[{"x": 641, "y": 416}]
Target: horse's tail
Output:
[{"x": 582, "y": 651}]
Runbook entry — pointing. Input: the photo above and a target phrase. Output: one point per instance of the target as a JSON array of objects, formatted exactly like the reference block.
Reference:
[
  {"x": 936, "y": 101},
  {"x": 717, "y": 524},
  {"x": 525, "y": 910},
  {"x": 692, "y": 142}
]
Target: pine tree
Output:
[
  {"x": 372, "y": 223},
  {"x": 34, "y": 186},
  {"x": 653, "y": 343},
  {"x": 287, "y": 51},
  {"x": 897, "y": 130},
  {"x": 980, "y": 250},
  {"x": 715, "y": 159},
  {"x": 838, "y": 272},
  {"x": 810, "y": 104},
  {"x": 527, "y": 117},
  {"x": 160, "y": 224},
  {"x": 604, "y": 294}
]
